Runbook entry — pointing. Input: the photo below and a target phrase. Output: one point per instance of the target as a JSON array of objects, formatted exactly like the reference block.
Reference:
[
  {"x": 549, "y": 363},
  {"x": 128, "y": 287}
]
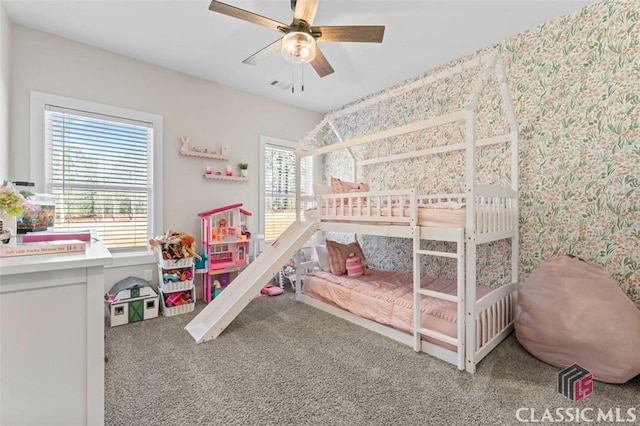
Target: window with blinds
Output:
[
  {"x": 99, "y": 168},
  {"x": 280, "y": 187}
]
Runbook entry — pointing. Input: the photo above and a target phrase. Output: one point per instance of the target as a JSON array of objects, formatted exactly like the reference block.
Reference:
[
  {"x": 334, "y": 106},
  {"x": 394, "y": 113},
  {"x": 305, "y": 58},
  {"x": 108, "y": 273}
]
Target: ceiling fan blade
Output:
[
  {"x": 320, "y": 64},
  {"x": 264, "y": 54},
  {"x": 306, "y": 10},
  {"x": 365, "y": 33},
  {"x": 245, "y": 15}
]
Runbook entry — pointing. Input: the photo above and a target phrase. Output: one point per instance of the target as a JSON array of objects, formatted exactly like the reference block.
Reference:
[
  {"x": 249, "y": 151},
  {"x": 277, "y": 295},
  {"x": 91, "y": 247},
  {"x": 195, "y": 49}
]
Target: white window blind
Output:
[
  {"x": 280, "y": 187},
  {"x": 99, "y": 168}
]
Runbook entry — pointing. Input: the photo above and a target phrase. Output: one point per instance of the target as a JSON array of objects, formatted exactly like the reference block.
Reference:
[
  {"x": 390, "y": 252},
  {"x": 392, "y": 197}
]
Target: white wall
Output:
[
  {"x": 210, "y": 114},
  {"x": 4, "y": 93}
]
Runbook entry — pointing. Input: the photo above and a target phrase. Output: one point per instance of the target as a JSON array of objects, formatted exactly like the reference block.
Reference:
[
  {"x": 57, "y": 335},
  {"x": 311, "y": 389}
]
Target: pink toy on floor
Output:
[{"x": 271, "y": 290}]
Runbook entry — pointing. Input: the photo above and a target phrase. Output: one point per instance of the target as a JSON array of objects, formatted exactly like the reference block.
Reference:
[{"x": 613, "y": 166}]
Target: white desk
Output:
[{"x": 52, "y": 338}]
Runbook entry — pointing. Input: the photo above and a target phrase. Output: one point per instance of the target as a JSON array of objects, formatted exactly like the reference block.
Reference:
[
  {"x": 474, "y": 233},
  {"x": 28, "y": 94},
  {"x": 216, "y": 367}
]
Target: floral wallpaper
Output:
[{"x": 575, "y": 85}]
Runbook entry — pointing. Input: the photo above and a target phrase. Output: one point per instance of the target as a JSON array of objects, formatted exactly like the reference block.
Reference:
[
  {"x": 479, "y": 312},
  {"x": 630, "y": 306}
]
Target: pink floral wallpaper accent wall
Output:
[{"x": 575, "y": 85}]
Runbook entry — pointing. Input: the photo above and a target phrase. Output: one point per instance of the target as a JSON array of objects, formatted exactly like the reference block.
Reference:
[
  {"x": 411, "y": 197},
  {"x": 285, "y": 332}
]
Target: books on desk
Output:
[
  {"x": 67, "y": 234},
  {"x": 43, "y": 247}
]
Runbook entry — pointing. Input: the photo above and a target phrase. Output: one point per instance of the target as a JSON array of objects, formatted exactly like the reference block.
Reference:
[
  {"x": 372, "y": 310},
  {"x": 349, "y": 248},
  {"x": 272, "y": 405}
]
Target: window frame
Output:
[
  {"x": 37, "y": 158},
  {"x": 268, "y": 140}
]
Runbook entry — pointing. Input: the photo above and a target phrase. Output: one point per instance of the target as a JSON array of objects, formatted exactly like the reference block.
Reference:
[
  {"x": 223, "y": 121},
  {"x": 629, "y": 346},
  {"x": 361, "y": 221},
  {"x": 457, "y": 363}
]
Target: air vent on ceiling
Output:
[{"x": 280, "y": 85}]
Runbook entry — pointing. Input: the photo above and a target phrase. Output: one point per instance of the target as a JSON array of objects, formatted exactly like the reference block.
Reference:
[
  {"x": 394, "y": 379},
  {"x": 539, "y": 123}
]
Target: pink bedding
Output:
[{"x": 387, "y": 298}]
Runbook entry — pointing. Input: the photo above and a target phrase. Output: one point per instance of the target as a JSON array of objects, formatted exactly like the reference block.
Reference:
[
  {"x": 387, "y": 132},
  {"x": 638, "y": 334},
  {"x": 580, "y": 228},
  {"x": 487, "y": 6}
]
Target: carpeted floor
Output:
[{"x": 285, "y": 363}]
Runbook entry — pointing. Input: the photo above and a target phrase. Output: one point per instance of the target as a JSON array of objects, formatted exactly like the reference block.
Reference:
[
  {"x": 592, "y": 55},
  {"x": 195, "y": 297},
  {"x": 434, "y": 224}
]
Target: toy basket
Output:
[
  {"x": 170, "y": 287},
  {"x": 169, "y": 311},
  {"x": 177, "y": 286},
  {"x": 174, "y": 263}
]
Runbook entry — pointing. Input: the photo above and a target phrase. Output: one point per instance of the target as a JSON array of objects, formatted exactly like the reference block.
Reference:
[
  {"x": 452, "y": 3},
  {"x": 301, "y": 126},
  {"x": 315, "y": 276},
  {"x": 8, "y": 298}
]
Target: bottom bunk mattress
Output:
[{"x": 386, "y": 297}]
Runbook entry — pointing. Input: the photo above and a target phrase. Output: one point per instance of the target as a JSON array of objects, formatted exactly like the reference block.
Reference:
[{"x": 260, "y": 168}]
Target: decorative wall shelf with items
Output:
[
  {"x": 188, "y": 151},
  {"x": 223, "y": 177},
  {"x": 210, "y": 155},
  {"x": 228, "y": 247},
  {"x": 175, "y": 272}
]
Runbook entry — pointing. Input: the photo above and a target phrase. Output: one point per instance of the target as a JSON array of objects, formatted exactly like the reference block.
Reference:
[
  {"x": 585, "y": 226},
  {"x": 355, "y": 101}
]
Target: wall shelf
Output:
[
  {"x": 211, "y": 155},
  {"x": 224, "y": 177}
]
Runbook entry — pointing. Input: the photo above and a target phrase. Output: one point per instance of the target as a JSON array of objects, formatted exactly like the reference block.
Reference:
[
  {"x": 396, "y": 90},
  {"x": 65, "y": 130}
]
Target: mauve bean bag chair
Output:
[{"x": 570, "y": 311}]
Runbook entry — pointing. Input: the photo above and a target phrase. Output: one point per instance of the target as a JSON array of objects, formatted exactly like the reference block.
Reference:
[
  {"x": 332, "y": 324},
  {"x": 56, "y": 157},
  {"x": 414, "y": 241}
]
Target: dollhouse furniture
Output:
[
  {"x": 226, "y": 242},
  {"x": 131, "y": 300}
]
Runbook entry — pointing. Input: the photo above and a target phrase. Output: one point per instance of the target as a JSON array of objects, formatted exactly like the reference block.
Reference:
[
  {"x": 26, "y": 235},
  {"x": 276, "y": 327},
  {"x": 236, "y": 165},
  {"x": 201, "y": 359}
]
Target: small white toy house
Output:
[{"x": 131, "y": 300}]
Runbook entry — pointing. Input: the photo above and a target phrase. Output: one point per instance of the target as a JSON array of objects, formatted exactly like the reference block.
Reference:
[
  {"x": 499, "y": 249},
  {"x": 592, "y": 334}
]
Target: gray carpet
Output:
[{"x": 285, "y": 363}]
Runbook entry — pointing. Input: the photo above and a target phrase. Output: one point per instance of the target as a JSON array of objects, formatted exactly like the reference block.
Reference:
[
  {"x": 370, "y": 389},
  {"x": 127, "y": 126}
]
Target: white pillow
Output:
[
  {"x": 323, "y": 258},
  {"x": 319, "y": 189}
]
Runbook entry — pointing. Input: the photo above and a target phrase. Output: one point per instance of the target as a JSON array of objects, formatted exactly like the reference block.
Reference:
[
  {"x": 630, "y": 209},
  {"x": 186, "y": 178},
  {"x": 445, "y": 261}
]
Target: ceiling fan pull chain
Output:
[
  {"x": 302, "y": 66},
  {"x": 293, "y": 78}
]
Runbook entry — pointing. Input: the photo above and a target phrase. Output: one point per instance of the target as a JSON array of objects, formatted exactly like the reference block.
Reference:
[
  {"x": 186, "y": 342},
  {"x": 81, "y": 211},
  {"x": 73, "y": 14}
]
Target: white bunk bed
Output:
[{"x": 490, "y": 214}]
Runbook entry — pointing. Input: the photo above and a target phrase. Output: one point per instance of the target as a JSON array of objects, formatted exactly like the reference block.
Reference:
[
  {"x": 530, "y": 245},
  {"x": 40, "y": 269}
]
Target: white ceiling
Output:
[{"x": 185, "y": 36}]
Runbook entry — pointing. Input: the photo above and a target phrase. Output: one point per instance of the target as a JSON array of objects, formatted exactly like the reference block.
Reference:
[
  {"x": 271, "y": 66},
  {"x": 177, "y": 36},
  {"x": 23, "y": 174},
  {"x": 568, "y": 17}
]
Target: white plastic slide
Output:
[{"x": 218, "y": 314}]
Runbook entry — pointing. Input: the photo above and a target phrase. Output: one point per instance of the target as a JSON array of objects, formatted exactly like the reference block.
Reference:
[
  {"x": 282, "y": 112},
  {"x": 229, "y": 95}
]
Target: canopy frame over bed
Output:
[{"x": 491, "y": 215}]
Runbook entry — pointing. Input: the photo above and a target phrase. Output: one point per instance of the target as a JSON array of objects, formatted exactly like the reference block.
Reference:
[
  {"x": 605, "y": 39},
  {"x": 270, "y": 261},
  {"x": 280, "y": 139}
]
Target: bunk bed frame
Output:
[{"x": 491, "y": 215}]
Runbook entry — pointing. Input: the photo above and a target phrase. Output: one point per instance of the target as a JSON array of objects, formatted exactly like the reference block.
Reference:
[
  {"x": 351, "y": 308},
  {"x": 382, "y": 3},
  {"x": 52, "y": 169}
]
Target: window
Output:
[
  {"x": 279, "y": 185},
  {"x": 99, "y": 164}
]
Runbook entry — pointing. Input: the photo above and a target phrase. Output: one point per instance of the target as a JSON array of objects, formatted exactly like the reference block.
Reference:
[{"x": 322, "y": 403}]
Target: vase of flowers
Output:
[{"x": 12, "y": 205}]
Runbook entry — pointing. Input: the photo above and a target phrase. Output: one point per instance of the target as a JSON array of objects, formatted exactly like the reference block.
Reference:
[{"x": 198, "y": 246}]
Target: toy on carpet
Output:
[
  {"x": 271, "y": 290},
  {"x": 129, "y": 300}
]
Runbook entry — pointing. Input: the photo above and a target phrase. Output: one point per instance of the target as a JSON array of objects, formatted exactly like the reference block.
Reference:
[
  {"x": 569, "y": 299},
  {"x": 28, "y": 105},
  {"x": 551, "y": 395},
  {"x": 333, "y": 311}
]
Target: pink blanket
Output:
[{"x": 387, "y": 298}]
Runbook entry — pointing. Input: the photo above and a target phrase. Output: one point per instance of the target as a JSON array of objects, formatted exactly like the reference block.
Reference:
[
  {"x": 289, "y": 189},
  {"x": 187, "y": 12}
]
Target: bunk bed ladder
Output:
[{"x": 459, "y": 299}]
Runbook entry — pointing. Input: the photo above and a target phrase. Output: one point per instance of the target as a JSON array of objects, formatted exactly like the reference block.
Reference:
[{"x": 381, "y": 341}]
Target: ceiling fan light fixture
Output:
[{"x": 298, "y": 47}]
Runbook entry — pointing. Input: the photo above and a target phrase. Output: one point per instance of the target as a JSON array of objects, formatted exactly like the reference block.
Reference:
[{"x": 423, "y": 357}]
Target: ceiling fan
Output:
[{"x": 299, "y": 41}]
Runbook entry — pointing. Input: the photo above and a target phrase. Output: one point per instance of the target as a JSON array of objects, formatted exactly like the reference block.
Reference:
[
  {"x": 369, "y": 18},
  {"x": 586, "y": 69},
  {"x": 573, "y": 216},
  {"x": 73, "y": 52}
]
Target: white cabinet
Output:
[{"x": 52, "y": 338}]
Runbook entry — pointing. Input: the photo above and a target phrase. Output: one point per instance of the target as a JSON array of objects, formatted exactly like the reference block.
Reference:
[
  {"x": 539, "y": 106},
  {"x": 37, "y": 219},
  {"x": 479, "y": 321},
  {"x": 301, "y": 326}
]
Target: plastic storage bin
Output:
[
  {"x": 174, "y": 263},
  {"x": 171, "y": 286},
  {"x": 169, "y": 311}
]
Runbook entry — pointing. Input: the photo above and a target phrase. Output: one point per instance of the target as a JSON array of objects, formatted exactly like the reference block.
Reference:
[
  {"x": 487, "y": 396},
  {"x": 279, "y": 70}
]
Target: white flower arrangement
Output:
[{"x": 12, "y": 201}]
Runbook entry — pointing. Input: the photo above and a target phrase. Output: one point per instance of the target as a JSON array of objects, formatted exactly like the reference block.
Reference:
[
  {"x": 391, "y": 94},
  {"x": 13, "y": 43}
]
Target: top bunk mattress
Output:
[{"x": 439, "y": 215}]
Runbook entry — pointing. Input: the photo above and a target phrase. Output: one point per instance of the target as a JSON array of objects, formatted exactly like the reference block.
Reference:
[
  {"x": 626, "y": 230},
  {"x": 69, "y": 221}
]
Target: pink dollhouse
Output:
[{"x": 225, "y": 239}]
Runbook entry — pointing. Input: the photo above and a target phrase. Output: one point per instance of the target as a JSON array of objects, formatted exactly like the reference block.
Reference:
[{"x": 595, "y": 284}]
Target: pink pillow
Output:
[
  {"x": 339, "y": 186},
  {"x": 338, "y": 254}
]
